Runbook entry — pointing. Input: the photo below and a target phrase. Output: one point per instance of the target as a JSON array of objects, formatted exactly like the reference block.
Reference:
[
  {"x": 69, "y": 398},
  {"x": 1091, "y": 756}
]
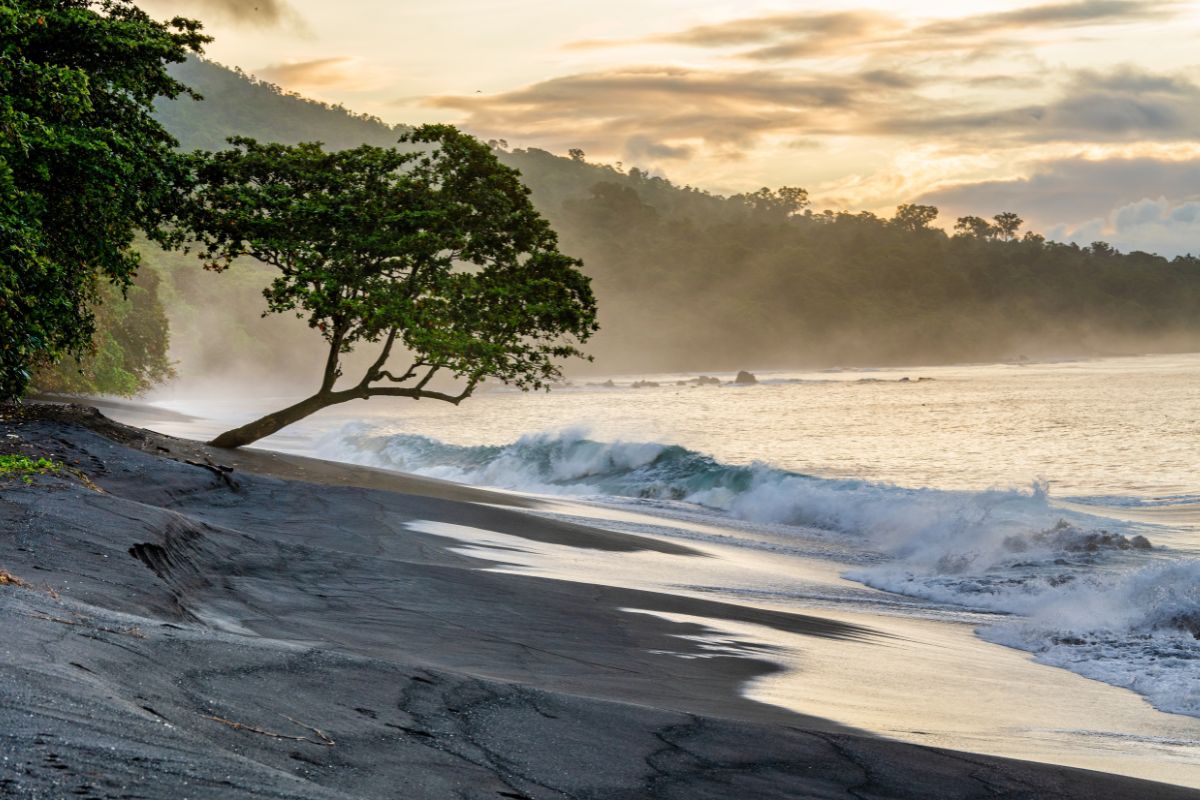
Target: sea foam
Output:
[{"x": 1082, "y": 592}]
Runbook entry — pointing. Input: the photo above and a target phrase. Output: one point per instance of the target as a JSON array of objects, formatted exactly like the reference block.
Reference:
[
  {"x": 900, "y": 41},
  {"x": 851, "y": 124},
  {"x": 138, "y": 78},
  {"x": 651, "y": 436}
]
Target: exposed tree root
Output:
[{"x": 324, "y": 741}]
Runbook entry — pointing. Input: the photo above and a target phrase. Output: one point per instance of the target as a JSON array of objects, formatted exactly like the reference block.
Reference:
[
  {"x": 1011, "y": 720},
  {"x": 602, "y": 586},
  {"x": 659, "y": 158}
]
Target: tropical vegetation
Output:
[
  {"x": 84, "y": 166},
  {"x": 433, "y": 251}
]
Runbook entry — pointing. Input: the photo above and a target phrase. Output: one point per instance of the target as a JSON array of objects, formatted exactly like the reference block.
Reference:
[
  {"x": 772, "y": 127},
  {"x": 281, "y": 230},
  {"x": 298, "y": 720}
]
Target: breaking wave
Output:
[
  {"x": 1081, "y": 592},
  {"x": 1140, "y": 631}
]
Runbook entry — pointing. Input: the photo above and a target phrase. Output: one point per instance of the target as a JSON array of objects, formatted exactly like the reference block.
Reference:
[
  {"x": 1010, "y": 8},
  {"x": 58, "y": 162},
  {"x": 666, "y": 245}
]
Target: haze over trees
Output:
[
  {"x": 688, "y": 280},
  {"x": 722, "y": 285},
  {"x": 83, "y": 166},
  {"x": 435, "y": 256},
  {"x": 129, "y": 349}
]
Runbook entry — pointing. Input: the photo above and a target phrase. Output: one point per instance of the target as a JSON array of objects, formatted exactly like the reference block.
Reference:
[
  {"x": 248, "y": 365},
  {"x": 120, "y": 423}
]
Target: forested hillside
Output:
[{"x": 690, "y": 281}]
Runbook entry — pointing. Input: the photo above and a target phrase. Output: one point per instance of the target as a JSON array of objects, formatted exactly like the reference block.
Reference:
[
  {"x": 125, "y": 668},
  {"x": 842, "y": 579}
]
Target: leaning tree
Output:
[
  {"x": 433, "y": 253},
  {"x": 83, "y": 164}
]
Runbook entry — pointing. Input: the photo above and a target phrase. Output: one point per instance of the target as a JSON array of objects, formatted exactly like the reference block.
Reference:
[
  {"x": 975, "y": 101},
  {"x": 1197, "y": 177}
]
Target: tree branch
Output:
[
  {"x": 383, "y": 374},
  {"x": 332, "y": 368},
  {"x": 428, "y": 377},
  {"x": 417, "y": 393},
  {"x": 271, "y": 260},
  {"x": 471, "y": 384},
  {"x": 375, "y": 371}
]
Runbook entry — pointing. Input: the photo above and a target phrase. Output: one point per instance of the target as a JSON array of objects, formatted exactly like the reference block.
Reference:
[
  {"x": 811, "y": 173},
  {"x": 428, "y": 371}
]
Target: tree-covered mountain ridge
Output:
[{"x": 689, "y": 280}]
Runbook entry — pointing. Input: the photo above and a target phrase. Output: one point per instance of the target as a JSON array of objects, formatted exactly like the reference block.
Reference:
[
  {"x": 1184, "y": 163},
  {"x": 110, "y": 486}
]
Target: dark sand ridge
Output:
[{"x": 363, "y": 659}]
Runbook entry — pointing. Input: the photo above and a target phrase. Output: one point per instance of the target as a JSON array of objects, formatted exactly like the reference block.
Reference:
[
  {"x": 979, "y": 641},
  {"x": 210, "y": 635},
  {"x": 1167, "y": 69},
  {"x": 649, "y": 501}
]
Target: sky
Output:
[{"x": 1081, "y": 116}]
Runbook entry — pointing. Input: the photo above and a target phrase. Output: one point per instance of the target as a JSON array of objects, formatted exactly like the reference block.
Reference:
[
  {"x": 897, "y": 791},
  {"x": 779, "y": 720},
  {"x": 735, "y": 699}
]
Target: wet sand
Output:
[{"x": 202, "y": 624}]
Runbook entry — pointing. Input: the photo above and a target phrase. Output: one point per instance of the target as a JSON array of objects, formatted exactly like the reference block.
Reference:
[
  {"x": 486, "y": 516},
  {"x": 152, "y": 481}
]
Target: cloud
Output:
[
  {"x": 1156, "y": 226},
  {"x": 678, "y": 108},
  {"x": 789, "y": 36},
  {"x": 1125, "y": 104},
  {"x": 801, "y": 35},
  {"x": 1055, "y": 15},
  {"x": 881, "y": 77},
  {"x": 643, "y": 148},
  {"x": 1004, "y": 81},
  {"x": 1073, "y": 189},
  {"x": 757, "y": 30},
  {"x": 891, "y": 79},
  {"x": 321, "y": 72},
  {"x": 808, "y": 33},
  {"x": 673, "y": 108},
  {"x": 892, "y": 105},
  {"x": 260, "y": 13}
]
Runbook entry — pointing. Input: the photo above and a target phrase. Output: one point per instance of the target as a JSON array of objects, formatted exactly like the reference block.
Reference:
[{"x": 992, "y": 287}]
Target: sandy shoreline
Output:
[{"x": 255, "y": 624}]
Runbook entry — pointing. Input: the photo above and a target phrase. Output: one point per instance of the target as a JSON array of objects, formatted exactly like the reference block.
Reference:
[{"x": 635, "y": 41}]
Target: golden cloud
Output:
[
  {"x": 318, "y": 73},
  {"x": 803, "y": 35},
  {"x": 675, "y": 107}
]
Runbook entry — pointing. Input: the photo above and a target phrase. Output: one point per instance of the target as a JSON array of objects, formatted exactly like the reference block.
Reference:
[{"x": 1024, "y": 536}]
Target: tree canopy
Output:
[
  {"x": 434, "y": 250},
  {"x": 83, "y": 164},
  {"x": 914, "y": 217},
  {"x": 129, "y": 346}
]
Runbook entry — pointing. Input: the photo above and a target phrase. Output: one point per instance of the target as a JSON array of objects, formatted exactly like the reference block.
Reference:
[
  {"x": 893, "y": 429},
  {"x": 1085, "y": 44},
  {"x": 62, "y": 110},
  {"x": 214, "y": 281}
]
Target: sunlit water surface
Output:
[{"x": 1025, "y": 538}]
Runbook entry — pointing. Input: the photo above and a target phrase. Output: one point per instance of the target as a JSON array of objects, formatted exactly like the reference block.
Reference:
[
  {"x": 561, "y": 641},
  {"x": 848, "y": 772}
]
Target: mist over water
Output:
[{"x": 1123, "y": 428}]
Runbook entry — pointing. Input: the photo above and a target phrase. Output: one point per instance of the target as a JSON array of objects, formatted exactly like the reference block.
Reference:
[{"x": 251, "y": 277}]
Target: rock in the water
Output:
[
  {"x": 707, "y": 380},
  {"x": 1066, "y": 537},
  {"x": 1189, "y": 623},
  {"x": 745, "y": 378}
]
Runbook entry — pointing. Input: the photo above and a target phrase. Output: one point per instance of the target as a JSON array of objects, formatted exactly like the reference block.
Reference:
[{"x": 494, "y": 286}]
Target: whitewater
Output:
[
  {"x": 1051, "y": 508},
  {"x": 1040, "y": 468}
]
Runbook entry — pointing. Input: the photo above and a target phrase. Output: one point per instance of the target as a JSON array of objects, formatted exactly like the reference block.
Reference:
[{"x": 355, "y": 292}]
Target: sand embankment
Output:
[{"x": 204, "y": 624}]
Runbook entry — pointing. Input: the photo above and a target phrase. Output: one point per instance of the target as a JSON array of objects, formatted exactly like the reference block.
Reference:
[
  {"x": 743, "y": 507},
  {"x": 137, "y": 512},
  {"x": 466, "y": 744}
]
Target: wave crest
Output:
[
  {"x": 1083, "y": 596},
  {"x": 921, "y": 527}
]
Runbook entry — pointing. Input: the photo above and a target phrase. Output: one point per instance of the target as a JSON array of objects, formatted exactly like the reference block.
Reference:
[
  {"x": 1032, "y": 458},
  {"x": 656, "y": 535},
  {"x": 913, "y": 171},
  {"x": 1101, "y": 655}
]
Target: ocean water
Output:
[
  {"x": 1065, "y": 496},
  {"x": 1051, "y": 508}
]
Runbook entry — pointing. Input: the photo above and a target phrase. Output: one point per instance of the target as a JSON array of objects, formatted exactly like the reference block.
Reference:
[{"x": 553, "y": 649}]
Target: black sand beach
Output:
[{"x": 205, "y": 624}]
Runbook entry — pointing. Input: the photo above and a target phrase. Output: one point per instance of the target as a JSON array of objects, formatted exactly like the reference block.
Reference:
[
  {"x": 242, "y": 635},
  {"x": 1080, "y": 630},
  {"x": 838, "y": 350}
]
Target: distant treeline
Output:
[{"x": 688, "y": 280}]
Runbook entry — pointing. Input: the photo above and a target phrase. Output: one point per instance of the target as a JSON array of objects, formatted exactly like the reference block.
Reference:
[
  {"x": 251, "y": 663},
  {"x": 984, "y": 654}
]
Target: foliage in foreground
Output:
[
  {"x": 434, "y": 250},
  {"x": 83, "y": 164},
  {"x": 25, "y": 468}
]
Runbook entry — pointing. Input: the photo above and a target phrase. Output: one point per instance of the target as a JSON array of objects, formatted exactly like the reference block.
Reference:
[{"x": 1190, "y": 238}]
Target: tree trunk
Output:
[{"x": 252, "y": 432}]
